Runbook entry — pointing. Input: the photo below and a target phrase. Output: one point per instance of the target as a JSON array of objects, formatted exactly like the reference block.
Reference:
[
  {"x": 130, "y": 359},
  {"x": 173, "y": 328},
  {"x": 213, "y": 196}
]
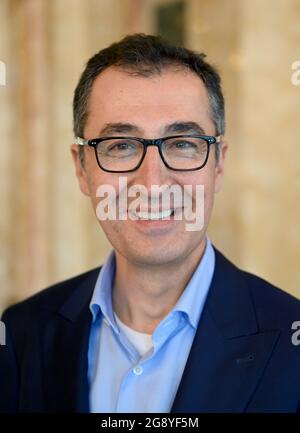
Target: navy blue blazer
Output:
[{"x": 242, "y": 358}]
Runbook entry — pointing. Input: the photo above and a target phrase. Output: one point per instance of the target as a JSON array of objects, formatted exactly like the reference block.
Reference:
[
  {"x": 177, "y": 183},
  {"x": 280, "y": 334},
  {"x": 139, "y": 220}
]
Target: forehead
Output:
[{"x": 172, "y": 95}]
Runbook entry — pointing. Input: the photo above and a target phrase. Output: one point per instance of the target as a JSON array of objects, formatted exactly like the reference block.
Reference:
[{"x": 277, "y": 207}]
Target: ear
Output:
[
  {"x": 219, "y": 170},
  {"x": 80, "y": 170}
]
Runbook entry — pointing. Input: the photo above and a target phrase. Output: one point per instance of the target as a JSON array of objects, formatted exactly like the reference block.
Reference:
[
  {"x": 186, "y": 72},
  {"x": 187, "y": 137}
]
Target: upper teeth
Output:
[{"x": 154, "y": 215}]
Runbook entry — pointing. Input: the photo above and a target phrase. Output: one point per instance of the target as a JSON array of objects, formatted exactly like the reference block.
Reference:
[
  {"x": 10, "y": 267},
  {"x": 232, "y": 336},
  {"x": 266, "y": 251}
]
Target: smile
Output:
[{"x": 154, "y": 215}]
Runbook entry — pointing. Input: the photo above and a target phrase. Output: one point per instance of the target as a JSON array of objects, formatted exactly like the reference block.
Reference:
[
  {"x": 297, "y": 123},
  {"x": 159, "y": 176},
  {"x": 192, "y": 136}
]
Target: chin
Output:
[{"x": 158, "y": 255}]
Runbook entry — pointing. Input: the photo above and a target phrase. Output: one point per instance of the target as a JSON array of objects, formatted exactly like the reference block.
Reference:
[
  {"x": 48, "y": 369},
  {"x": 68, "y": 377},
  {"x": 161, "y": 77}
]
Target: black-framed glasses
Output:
[{"x": 126, "y": 154}]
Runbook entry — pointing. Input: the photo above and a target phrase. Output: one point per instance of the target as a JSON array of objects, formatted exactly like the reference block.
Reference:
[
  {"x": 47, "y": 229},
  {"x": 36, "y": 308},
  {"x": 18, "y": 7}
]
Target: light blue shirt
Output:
[{"x": 120, "y": 379}]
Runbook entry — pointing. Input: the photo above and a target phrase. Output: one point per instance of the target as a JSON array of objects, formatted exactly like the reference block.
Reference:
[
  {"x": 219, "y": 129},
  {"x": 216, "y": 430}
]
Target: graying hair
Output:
[{"x": 147, "y": 55}]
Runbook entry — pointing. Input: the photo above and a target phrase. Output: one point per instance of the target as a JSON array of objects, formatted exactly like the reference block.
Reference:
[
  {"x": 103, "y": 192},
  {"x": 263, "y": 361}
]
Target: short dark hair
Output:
[{"x": 146, "y": 55}]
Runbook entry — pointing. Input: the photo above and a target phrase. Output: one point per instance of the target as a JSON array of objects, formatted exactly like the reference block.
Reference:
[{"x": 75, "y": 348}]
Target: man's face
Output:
[{"x": 150, "y": 105}]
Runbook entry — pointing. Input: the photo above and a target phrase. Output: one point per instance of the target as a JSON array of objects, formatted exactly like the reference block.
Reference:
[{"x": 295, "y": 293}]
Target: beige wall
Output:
[
  {"x": 47, "y": 229},
  {"x": 256, "y": 219}
]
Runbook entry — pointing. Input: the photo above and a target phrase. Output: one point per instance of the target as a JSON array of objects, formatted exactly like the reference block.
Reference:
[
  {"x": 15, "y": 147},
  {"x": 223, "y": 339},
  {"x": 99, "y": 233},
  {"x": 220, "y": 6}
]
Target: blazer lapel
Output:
[
  {"x": 229, "y": 354},
  {"x": 226, "y": 361},
  {"x": 64, "y": 339}
]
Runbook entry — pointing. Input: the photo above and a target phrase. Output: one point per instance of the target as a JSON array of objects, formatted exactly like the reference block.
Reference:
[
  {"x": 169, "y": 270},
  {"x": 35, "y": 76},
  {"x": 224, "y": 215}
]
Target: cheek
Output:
[
  {"x": 94, "y": 181},
  {"x": 93, "y": 184},
  {"x": 104, "y": 189},
  {"x": 110, "y": 227},
  {"x": 207, "y": 180},
  {"x": 210, "y": 186}
]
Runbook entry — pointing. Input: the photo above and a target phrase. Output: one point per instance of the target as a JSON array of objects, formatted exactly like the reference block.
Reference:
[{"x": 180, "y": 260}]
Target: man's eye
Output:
[
  {"x": 119, "y": 146},
  {"x": 184, "y": 145}
]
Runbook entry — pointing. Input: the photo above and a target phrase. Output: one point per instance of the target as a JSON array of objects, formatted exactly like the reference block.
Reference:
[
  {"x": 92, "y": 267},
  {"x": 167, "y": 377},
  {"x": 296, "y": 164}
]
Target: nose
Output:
[{"x": 152, "y": 170}]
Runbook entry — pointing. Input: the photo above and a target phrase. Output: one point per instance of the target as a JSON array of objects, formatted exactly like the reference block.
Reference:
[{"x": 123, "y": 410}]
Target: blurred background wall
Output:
[{"x": 48, "y": 231}]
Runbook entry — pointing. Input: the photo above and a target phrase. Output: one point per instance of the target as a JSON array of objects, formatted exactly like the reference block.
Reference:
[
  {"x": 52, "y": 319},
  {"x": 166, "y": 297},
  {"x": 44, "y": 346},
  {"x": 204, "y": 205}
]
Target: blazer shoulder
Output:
[
  {"x": 273, "y": 306},
  {"x": 271, "y": 301},
  {"x": 51, "y": 297}
]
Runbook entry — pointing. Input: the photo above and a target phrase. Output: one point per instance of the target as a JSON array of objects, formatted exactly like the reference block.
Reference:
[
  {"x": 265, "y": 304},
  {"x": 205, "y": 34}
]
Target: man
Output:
[{"x": 168, "y": 324}]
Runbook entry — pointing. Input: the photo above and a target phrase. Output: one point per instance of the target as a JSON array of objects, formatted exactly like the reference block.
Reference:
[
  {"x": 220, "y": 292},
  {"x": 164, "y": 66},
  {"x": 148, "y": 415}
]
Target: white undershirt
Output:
[{"x": 142, "y": 342}]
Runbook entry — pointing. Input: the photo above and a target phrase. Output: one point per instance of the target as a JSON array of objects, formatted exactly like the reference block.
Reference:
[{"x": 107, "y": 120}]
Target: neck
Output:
[{"x": 143, "y": 295}]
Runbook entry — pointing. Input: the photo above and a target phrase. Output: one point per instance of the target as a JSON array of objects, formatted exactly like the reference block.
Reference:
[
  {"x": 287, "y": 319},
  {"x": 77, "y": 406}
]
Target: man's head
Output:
[
  {"x": 145, "y": 87},
  {"x": 146, "y": 56}
]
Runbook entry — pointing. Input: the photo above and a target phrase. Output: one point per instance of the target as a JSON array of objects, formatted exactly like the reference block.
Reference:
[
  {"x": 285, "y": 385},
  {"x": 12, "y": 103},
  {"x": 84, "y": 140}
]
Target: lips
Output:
[{"x": 145, "y": 215}]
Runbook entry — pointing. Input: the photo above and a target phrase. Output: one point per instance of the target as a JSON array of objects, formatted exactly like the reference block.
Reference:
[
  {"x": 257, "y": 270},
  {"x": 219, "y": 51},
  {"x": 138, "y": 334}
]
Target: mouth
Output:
[{"x": 154, "y": 216}]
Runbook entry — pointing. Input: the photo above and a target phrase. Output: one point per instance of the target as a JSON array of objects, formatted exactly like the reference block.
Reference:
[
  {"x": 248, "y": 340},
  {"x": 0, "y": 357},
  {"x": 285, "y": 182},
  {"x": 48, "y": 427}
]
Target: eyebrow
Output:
[
  {"x": 184, "y": 127},
  {"x": 172, "y": 128}
]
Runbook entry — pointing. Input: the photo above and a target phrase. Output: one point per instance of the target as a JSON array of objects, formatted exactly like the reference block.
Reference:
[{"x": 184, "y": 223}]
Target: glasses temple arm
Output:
[{"x": 81, "y": 141}]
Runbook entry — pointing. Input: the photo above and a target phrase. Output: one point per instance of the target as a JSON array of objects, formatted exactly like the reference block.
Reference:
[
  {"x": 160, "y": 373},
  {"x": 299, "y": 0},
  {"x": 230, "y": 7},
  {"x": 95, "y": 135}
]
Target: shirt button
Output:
[{"x": 138, "y": 370}]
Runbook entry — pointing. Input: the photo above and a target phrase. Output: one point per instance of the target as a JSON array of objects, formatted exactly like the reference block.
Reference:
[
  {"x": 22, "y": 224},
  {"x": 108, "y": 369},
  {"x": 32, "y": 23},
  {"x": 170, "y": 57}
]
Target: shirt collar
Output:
[
  {"x": 190, "y": 302},
  {"x": 102, "y": 295},
  {"x": 193, "y": 297}
]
